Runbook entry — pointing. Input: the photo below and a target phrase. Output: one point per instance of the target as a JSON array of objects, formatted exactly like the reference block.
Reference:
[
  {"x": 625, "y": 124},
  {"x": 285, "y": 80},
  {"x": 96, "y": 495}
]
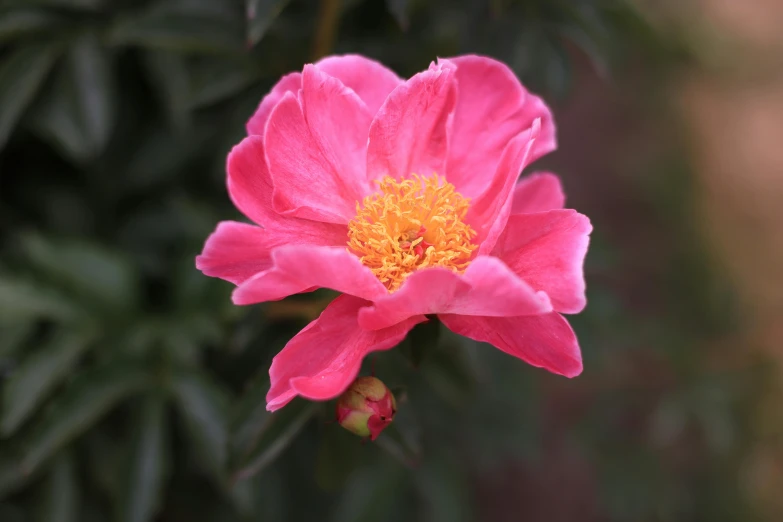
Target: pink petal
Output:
[
  {"x": 489, "y": 212},
  {"x": 249, "y": 184},
  {"x": 369, "y": 79},
  {"x": 291, "y": 82},
  {"x": 492, "y": 107},
  {"x": 250, "y": 188},
  {"x": 339, "y": 122},
  {"x": 235, "y": 252},
  {"x": 300, "y": 268},
  {"x": 546, "y": 341},
  {"x": 409, "y": 132},
  {"x": 306, "y": 184},
  {"x": 322, "y": 360},
  {"x": 537, "y": 192},
  {"x": 547, "y": 250},
  {"x": 488, "y": 287}
]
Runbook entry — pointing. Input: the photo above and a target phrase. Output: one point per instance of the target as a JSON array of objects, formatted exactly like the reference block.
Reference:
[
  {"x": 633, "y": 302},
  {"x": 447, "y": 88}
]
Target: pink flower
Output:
[{"x": 402, "y": 195}]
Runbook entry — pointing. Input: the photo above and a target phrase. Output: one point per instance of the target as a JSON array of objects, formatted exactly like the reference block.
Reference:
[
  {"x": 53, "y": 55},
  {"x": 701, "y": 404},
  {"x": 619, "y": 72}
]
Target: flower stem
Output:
[{"x": 327, "y": 28}]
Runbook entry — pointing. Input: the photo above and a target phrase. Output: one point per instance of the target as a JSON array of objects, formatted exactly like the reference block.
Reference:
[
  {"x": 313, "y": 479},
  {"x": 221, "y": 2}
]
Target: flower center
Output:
[{"x": 411, "y": 224}]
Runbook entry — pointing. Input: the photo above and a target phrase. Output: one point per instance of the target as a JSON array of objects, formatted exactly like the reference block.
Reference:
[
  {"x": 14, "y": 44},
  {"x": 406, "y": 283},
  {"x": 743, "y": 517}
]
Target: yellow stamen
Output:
[{"x": 411, "y": 224}]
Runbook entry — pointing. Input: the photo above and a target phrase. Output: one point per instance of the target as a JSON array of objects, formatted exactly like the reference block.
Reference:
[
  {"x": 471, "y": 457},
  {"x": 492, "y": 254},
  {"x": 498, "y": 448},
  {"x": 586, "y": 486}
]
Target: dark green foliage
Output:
[{"x": 133, "y": 390}]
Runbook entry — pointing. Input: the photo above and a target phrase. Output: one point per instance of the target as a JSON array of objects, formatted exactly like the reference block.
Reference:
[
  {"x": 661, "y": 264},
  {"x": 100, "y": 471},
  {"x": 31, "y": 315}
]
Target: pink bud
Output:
[{"x": 366, "y": 407}]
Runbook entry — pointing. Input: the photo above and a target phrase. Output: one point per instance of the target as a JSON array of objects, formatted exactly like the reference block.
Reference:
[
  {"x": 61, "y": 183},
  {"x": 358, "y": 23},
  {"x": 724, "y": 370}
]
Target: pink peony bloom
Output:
[{"x": 403, "y": 196}]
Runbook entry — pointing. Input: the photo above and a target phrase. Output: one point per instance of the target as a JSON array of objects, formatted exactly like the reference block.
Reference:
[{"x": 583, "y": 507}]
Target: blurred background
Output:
[{"x": 133, "y": 390}]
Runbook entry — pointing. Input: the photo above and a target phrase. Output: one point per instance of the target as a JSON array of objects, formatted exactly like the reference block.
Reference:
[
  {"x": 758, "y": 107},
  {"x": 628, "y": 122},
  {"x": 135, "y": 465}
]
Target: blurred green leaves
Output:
[
  {"x": 147, "y": 463},
  {"x": 88, "y": 396},
  {"x": 21, "y": 75},
  {"x": 107, "y": 282},
  {"x": 175, "y": 30},
  {"x": 37, "y": 375},
  {"x": 60, "y": 491},
  {"x": 18, "y": 23},
  {"x": 22, "y": 299},
  {"x": 205, "y": 409},
  {"x": 77, "y": 112},
  {"x": 274, "y": 436},
  {"x": 133, "y": 390},
  {"x": 260, "y": 15}
]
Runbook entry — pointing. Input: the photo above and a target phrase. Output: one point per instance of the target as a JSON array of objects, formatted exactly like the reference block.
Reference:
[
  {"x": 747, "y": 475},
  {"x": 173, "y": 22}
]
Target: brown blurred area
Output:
[
  {"x": 732, "y": 105},
  {"x": 729, "y": 102}
]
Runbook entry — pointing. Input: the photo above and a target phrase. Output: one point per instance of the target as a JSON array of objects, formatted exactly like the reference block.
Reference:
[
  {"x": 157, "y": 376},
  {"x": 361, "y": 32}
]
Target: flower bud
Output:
[{"x": 366, "y": 407}]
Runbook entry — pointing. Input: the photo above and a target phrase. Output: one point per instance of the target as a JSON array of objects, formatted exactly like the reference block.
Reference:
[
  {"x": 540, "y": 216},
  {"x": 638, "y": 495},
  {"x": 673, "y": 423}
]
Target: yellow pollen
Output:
[{"x": 411, "y": 224}]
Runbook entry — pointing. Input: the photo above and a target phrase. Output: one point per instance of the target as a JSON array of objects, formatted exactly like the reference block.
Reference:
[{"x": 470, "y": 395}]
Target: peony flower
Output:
[{"x": 403, "y": 196}]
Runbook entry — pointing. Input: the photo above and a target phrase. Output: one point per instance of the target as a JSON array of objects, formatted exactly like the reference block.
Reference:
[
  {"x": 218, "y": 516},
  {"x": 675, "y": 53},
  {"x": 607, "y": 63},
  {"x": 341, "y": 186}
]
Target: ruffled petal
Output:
[
  {"x": 409, "y": 132},
  {"x": 489, "y": 212},
  {"x": 339, "y": 122},
  {"x": 249, "y": 184},
  {"x": 546, "y": 341},
  {"x": 322, "y": 360},
  {"x": 235, "y": 252},
  {"x": 250, "y": 188},
  {"x": 538, "y": 192},
  {"x": 488, "y": 287},
  {"x": 306, "y": 184},
  {"x": 301, "y": 268},
  {"x": 369, "y": 79},
  {"x": 291, "y": 82},
  {"x": 547, "y": 250},
  {"x": 492, "y": 107}
]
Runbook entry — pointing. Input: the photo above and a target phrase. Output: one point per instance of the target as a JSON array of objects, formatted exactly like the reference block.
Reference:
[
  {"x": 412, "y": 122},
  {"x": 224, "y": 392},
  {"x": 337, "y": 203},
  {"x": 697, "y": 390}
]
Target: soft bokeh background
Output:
[{"x": 132, "y": 390}]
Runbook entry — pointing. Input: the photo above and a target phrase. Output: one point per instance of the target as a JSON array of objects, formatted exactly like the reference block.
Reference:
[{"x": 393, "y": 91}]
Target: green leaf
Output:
[
  {"x": 371, "y": 495},
  {"x": 214, "y": 80},
  {"x": 69, "y": 4},
  {"x": 148, "y": 461},
  {"x": 445, "y": 490},
  {"x": 159, "y": 155},
  {"x": 423, "y": 338},
  {"x": 401, "y": 446},
  {"x": 105, "y": 278},
  {"x": 204, "y": 406},
  {"x": 241, "y": 494},
  {"x": 260, "y": 15},
  {"x": 77, "y": 114},
  {"x": 60, "y": 502},
  {"x": 277, "y": 433},
  {"x": 21, "y": 75},
  {"x": 399, "y": 9},
  {"x": 169, "y": 75},
  {"x": 448, "y": 370},
  {"x": 12, "y": 513},
  {"x": 38, "y": 375},
  {"x": 262, "y": 497},
  {"x": 86, "y": 399},
  {"x": 557, "y": 70},
  {"x": 590, "y": 33},
  {"x": 248, "y": 417},
  {"x": 591, "y": 47},
  {"x": 23, "y": 22},
  {"x": 107, "y": 456},
  {"x": 25, "y": 300},
  {"x": 163, "y": 29},
  {"x": 11, "y": 476},
  {"x": 181, "y": 340},
  {"x": 339, "y": 455},
  {"x": 13, "y": 334}
]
